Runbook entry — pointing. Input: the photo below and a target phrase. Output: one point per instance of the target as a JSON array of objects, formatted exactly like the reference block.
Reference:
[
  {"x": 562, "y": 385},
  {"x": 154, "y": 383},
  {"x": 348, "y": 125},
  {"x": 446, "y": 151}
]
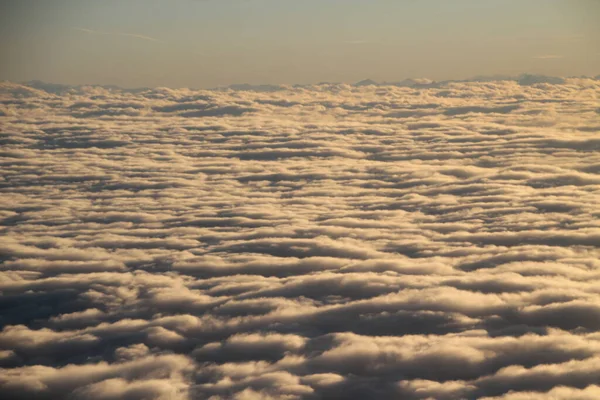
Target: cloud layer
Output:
[{"x": 322, "y": 242}]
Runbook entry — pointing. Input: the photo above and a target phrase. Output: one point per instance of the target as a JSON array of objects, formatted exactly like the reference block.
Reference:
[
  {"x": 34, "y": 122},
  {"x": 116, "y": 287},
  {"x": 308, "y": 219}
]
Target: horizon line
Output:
[{"x": 421, "y": 81}]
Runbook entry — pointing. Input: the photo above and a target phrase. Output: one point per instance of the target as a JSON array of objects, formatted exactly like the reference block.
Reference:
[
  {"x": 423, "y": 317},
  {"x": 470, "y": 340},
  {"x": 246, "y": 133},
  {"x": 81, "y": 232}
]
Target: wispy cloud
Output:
[
  {"x": 549, "y": 57},
  {"x": 356, "y": 42},
  {"x": 133, "y": 35}
]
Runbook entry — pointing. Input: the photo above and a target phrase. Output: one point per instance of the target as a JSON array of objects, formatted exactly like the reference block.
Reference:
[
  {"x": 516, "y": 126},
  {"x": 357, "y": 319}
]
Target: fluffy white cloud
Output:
[{"x": 334, "y": 241}]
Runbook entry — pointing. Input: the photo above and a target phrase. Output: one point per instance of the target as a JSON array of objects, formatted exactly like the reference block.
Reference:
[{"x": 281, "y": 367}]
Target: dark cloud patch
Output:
[
  {"x": 481, "y": 110},
  {"x": 234, "y": 111}
]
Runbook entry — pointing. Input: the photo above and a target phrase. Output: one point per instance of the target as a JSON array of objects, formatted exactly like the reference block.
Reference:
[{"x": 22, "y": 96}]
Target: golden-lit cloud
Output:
[{"x": 417, "y": 240}]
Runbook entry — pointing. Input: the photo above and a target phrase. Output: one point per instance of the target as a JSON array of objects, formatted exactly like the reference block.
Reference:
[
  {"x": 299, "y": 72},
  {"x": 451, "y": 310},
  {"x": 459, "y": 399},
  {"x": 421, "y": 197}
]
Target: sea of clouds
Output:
[{"x": 318, "y": 242}]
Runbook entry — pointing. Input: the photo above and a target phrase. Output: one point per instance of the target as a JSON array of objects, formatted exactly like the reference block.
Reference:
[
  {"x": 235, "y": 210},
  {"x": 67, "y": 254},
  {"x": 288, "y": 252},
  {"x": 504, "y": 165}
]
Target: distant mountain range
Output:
[{"x": 524, "y": 80}]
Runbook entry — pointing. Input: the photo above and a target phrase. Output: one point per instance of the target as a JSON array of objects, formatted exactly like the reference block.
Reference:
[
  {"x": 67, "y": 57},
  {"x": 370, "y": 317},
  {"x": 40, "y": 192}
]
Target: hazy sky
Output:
[{"x": 205, "y": 43}]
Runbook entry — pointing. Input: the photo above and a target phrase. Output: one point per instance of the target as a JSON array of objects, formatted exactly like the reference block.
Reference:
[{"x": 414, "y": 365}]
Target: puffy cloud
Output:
[
  {"x": 155, "y": 377},
  {"x": 420, "y": 240}
]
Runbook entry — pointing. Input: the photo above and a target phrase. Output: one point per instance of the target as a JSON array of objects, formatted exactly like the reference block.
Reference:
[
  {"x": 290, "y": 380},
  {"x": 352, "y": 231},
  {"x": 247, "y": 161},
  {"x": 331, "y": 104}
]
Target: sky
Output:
[
  {"x": 330, "y": 241},
  {"x": 208, "y": 43}
]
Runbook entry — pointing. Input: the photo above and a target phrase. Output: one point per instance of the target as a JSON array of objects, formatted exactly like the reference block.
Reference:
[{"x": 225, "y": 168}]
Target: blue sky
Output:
[{"x": 205, "y": 43}]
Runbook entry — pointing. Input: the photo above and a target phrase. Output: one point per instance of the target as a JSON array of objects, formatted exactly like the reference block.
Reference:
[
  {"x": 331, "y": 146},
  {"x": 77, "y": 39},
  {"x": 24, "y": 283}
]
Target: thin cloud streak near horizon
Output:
[
  {"x": 549, "y": 57},
  {"x": 125, "y": 34}
]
